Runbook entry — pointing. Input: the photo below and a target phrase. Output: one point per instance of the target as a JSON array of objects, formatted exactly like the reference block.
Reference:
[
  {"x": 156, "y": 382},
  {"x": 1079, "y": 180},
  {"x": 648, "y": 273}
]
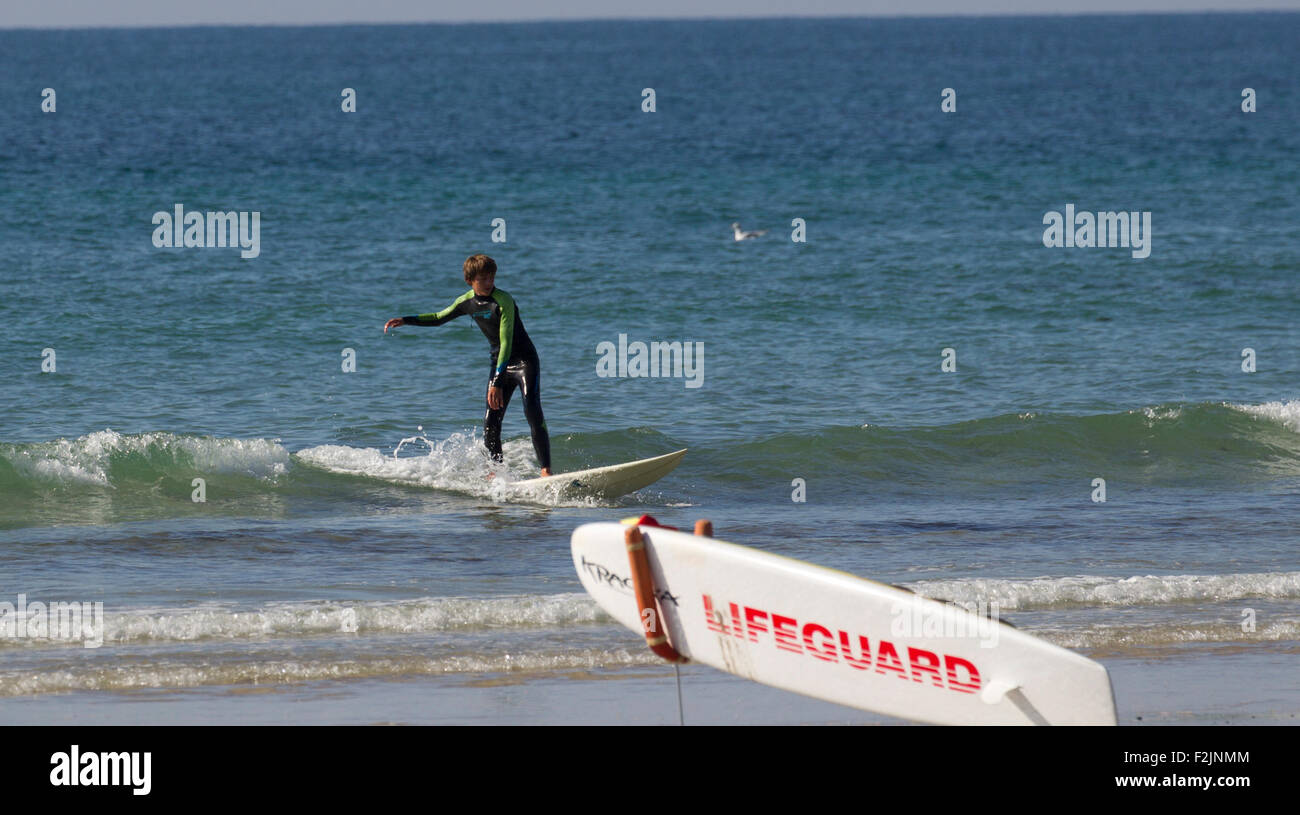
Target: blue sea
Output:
[{"x": 899, "y": 379}]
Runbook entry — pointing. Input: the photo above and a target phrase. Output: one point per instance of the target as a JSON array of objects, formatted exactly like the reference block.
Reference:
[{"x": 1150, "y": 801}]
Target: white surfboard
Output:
[
  {"x": 604, "y": 482},
  {"x": 837, "y": 637}
]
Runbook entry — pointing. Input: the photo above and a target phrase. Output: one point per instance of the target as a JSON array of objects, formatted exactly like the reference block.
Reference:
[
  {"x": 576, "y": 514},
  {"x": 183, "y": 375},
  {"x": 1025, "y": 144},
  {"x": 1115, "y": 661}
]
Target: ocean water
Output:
[{"x": 350, "y": 538}]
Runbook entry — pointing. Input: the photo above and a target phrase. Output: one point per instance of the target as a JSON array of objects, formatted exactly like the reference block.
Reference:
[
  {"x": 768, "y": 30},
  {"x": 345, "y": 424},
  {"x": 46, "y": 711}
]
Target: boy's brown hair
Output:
[{"x": 476, "y": 265}]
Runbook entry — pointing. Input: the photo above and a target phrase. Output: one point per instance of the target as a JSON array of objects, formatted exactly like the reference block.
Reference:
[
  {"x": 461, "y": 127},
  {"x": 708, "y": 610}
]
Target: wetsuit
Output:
[{"x": 514, "y": 364}]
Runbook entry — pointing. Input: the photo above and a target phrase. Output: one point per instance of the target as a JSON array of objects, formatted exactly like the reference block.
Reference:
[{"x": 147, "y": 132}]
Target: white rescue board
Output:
[
  {"x": 840, "y": 638},
  {"x": 605, "y": 482}
]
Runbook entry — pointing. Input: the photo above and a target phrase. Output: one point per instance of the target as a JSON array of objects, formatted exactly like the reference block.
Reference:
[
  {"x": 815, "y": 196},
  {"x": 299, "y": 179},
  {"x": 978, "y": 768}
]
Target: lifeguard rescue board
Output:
[
  {"x": 606, "y": 482},
  {"x": 837, "y": 637}
]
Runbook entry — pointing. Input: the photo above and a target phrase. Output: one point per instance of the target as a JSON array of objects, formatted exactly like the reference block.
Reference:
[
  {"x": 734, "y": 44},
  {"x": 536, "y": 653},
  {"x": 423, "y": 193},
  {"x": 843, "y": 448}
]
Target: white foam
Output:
[
  {"x": 170, "y": 672},
  {"x": 53, "y": 469},
  {"x": 1165, "y": 635},
  {"x": 454, "y": 462},
  {"x": 1053, "y": 592},
  {"x": 88, "y": 459},
  {"x": 458, "y": 462},
  {"x": 1286, "y": 414},
  {"x": 1155, "y": 414},
  {"x": 418, "y": 616}
]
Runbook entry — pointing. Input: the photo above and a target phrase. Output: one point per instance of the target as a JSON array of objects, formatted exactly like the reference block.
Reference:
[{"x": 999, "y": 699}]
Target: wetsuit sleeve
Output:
[
  {"x": 507, "y": 304},
  {"x": 451, "y": 312}
]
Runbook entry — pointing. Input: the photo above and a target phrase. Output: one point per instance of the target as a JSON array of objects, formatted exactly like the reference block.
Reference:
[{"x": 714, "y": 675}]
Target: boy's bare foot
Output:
[{"x": 546, "y": 471}]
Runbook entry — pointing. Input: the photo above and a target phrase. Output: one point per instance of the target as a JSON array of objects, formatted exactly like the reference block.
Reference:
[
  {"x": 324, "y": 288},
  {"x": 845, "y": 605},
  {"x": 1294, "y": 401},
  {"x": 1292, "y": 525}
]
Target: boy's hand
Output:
[
  {"x": 494, "y": 398},
  {"x": 393, "y": 323}
]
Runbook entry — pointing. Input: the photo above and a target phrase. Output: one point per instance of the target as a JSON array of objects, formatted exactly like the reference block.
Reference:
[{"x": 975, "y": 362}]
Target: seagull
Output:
[{"x": 744, "y": 236}]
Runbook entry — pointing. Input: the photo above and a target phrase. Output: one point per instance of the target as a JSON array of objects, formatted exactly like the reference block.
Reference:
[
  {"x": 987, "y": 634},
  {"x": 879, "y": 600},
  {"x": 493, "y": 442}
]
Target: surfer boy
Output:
[{"x": 514, "y": 359}]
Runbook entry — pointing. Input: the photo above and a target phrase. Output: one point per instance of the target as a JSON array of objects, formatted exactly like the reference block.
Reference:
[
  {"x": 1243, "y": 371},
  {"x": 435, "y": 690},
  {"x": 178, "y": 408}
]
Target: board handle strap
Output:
[{"x": 643, "y": 585}]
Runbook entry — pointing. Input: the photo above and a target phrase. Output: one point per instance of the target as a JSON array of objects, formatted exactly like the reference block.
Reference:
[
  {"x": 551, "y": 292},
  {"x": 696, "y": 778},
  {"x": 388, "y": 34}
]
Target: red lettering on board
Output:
[
  {"x": 926, "y": 667},
  {"x": 861, "y": 664},
  {"x": 887, "y": 660},
  {"x": 972, "y": 681},
  {"x": 752, "y": 626},
  {"x": 786, "y": 640},
  {"x": 716, "y": 622},
  {"x": 916, "y": 657},
  {"x": 823, "y": 652}
]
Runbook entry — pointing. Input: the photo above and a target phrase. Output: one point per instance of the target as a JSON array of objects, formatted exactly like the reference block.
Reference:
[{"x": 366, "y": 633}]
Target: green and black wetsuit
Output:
[{"x": 514, "y": 363}]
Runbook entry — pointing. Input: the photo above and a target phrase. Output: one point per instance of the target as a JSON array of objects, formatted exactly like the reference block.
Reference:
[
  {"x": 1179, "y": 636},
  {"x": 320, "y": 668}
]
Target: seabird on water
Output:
[{"x": 744, "y": 236}]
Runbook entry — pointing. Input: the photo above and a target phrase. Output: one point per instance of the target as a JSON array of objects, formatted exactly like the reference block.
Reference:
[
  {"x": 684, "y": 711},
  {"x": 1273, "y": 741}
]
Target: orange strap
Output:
[{"x": 643, "y": 584}]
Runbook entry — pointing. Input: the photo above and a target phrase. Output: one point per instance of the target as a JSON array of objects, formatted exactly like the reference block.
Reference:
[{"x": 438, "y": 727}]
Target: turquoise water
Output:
[{"x": 321, "y": 554}]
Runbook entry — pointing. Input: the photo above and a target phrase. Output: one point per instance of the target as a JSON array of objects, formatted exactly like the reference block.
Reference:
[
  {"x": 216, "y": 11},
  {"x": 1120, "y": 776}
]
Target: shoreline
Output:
[{"x": 1177, "y": 691}]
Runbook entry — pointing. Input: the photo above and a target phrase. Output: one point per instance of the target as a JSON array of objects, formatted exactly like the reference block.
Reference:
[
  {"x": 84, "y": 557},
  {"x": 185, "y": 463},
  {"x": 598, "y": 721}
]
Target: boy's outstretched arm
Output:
[{"x": 451, "y": 312}]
